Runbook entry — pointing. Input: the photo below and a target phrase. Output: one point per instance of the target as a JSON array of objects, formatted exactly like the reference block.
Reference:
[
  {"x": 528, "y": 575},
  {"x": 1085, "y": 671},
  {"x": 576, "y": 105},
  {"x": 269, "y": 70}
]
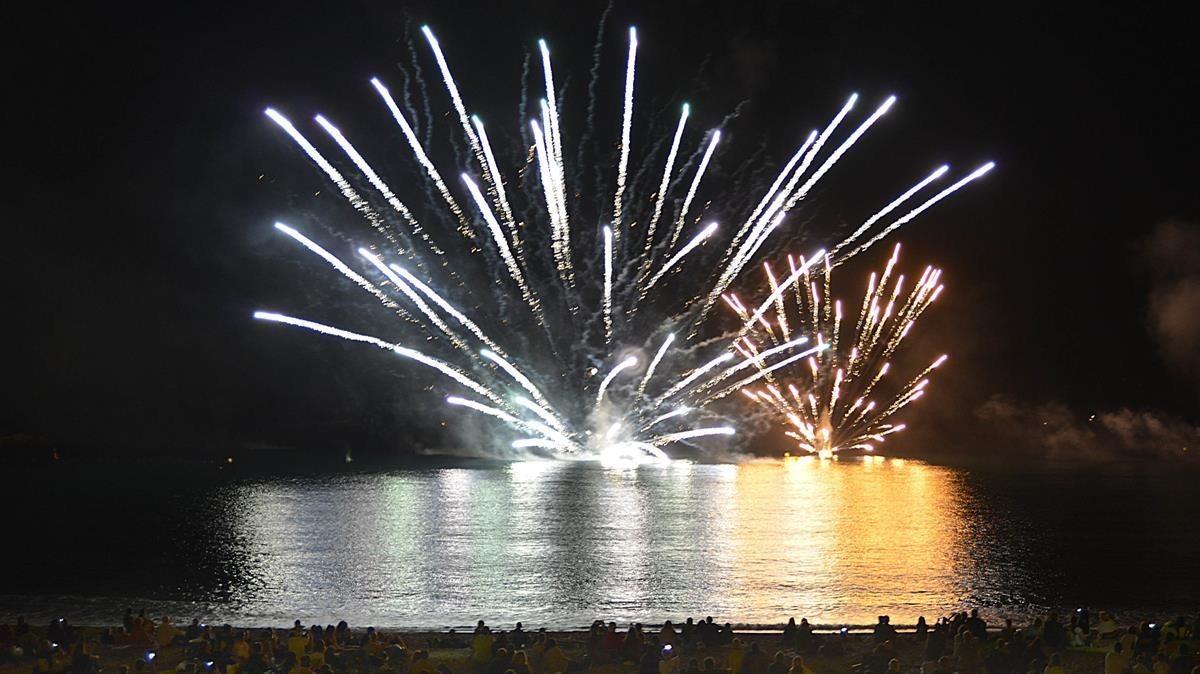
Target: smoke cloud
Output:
[
  {"x": 1173, "y": 253},
  {"x": 1055, "y": 431}
]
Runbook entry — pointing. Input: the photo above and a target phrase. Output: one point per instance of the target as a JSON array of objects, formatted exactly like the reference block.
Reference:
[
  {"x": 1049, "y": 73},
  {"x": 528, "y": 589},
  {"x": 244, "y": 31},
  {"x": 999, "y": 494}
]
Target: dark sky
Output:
[{"x": 137, "y": 235}]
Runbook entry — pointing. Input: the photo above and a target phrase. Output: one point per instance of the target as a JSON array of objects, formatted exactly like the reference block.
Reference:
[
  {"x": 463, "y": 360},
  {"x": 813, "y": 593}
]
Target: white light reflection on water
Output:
[{"x": 560, "y": 543}]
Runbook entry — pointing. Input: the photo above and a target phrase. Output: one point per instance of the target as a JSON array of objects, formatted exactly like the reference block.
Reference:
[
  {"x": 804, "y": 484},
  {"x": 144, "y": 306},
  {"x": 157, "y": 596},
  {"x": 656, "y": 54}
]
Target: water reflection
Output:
[{"x": 563, "y": 543}]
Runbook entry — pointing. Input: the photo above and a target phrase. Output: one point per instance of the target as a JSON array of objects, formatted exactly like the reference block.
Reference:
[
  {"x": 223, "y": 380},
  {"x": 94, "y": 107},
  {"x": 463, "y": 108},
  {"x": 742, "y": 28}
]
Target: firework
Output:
[
  {"x": 559, "y": 313},
  {"x": 836, "y": 400}
]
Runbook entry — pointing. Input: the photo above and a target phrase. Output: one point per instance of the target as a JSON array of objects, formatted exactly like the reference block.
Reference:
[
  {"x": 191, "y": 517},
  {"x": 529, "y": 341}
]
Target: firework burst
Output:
[
  {"x": 835, "y": 400},
  {"x": 537, "y": 303}
]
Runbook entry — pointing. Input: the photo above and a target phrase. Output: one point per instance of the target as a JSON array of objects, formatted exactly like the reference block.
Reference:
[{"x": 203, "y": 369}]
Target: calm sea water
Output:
[{"x": 559, "y": 544}]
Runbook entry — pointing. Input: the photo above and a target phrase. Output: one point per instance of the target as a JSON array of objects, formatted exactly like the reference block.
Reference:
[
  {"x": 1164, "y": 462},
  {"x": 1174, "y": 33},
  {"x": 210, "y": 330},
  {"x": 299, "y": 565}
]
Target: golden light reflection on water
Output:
[
  {"x": 559, "y": 543},
  {"x": 882, "y": 532}
]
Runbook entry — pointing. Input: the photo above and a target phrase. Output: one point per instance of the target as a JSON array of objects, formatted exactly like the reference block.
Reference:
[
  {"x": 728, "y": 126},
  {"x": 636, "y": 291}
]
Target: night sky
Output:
[{"x": 138, "y": 240}]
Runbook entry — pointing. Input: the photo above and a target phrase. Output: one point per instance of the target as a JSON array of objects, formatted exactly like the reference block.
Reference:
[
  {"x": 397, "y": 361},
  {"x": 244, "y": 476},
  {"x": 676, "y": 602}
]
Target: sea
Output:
[{"x": 433, "y": 545}]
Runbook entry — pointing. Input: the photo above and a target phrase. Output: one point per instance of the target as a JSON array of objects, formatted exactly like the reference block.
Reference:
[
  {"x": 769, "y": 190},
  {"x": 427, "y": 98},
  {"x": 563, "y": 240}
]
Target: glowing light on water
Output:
[{"x": 524, "y": 299}]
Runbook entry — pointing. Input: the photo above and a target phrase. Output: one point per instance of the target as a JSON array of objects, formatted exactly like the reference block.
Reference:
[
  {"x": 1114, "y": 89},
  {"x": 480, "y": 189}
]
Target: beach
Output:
[{"x": 152, "y": 645}]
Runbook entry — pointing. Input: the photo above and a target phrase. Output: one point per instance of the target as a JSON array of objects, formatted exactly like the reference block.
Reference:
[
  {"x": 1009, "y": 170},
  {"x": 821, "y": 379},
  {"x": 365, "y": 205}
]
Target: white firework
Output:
[{"x": 580, "y": 330}]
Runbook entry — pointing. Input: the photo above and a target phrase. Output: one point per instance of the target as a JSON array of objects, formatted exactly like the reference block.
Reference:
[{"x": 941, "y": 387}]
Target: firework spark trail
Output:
[
  {"x": 558, "y": 439},
  {"x": 446, "y": 369},
  {"x": 762, "y": 372},
  {"x": 748, "y": 236},
  {"x": 552, "y": 171},
  {"x": 694, "y": 375},
  {"x": 886, "y": 210},
  {"x": 781, "y": 207},
  {"x": 506, "y": 254},
  {"x": 626, "y": 128},
  {"x": 552, "y": 119},
  {"x": 560, "y": 233},
  {"x": 691, "y": 193},
  {"x": 677, "y": 412},
  {"x": 694, "y": 433},
  {"x": 459, "y": 106},
  {"x": 770, "y": 195},
  {"x": 541, "y": 388},
  {"x": 608, "y": 285},
  {"x": 545, "y": 414},
  {"x": 691, "y": 245},
  {"x": 356, "y": 201},
  {"x": 497, "y": 184},
  {"x": 838, "y": 411},
  {"x": 415, "y": 298},
  {"x": 361, "y": 164},
  {"x": 777, "y": 294},
  {"x": 661, "y": 197},
  {"x": 974, "y": 175},
  {"x": 423, "y": 159},
  {"x": 526, "y": 383},
  {"x": 446, "y": 307},
  {"x": 342, "y": 268},
  {"x": 756, "y": 359},
  {"x": 790, "y": 195},
  {"x": 662, "y": 351},
  {"x": 623, "y": 365}
]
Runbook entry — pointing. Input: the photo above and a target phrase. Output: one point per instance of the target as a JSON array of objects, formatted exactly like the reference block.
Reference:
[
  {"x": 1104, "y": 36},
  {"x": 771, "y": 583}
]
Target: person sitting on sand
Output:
[
  {"x": 755, "y": 661},
  {"x": 877, "y": 660},
  {"x": 997, "y": 659},
  {"x": 82, "y": 662},
  {"x": 166, "y": 634},
  {"x": 631, "y": 648},
  {"x": 139, "y": 637},
  {"x": 316, "y": 656},
  {"x": 669, "y": 660},
  {"x": 735, "y": 657},
  {"x": 798, "y": 667},
  {"x": 1107, "y": 628},
  {"x": 1054, "y": 635},
  {"x": 422, "y": 665},
  {"x": 1114, "y": 660},
  {"x": 835, "y": 645},
  {"x": 649, "y": 660},
  {"x": 779, "y": 665},
  {"x": 520, "y": 663},
  {"x": 1184, "y": 662},
  {"x": 554, "y": 661},
  {"x": 1054, "y": 666},
  {"x": 500, "y": 662}
]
